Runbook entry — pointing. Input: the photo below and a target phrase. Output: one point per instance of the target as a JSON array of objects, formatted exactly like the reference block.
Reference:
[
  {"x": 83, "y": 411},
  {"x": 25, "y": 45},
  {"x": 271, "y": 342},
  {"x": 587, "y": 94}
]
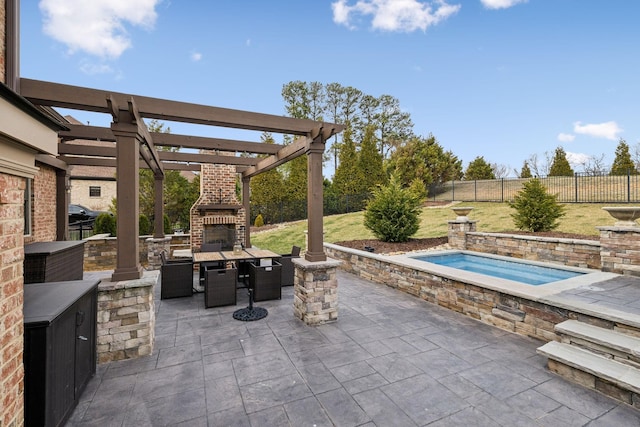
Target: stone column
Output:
[
  {"x": 315, "y": 291},
  {"x": 155, "y": 246},
  {"x": 457, "y": 232},
  {"x": 619, "y": 249}
]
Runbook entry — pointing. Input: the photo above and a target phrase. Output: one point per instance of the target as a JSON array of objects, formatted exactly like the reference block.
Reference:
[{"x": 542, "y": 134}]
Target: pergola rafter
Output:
[{"x": 135, "y": 142}]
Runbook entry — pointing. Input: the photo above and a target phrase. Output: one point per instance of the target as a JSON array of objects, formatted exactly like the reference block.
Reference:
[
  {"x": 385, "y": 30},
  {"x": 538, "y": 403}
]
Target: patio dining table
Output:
[{"x": 251, "y": 312}]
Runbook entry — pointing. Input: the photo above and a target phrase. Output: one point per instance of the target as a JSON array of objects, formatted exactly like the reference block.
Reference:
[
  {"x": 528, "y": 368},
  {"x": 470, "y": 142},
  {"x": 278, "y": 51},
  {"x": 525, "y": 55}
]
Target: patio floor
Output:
[{"x": 390, "y": 360}]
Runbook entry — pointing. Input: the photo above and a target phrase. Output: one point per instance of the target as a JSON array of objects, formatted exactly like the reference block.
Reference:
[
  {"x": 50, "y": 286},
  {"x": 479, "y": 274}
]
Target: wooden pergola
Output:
[{"x": 134, "y": 142}]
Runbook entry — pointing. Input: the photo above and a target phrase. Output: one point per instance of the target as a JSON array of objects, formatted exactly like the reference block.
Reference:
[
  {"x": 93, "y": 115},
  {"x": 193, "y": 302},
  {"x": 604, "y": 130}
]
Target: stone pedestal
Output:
[
  {"x": 619, "y": 249},
  {"x": 154, "y": 247},
  {"x": 458, "y": 230},
  {"x": 315, "y": 298}
]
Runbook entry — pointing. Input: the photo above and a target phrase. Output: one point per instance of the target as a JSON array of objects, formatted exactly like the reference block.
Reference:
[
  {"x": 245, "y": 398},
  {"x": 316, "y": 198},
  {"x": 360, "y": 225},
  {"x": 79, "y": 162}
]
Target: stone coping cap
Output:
[
  {"x": 589, "y": 242},
  {"x": 318, "y": 265},
  {"x": 149, "y": 278}
]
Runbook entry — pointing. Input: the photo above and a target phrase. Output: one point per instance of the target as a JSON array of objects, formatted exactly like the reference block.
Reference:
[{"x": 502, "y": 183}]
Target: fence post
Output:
[
  {"x": 628, "y": 185},
  {"x": 475, "y": 190},
  {"x": 502, "y": 189},
  {"x": 575, "y": 178}
]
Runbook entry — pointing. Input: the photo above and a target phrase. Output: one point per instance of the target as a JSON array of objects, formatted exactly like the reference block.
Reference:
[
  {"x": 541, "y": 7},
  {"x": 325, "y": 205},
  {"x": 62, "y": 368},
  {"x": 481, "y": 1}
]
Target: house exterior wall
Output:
[
  {"x": 11, "y": 299},
  {"x": 3, "y": 39},
  {"x": 80, "y": 193},
  {"x": 44, "y": 205}
]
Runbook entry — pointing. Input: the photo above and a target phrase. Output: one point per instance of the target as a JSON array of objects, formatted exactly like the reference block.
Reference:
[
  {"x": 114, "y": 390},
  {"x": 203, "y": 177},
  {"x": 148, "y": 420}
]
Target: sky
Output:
[{"x": 501, "y": 79}]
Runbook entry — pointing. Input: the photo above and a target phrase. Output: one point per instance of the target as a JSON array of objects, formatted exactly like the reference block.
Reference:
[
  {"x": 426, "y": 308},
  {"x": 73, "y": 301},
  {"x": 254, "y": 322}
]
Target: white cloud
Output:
[
  {"x": 608, "y": 130},
  {"x": 501, "y": 4},
  {"x": 394, "y": 15},
  {"x": 196, "y": 56},
  {"x": 91, "y": 68},
  {"x": 566, "y": 137},
  {"x": 96, "y": 27},
  {"x": 577, "y": 159}
]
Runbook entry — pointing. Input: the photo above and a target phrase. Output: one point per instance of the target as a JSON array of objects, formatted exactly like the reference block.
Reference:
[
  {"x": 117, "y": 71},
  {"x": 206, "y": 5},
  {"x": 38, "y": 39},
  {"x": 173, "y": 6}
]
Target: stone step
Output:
[
  {"x": 604, "y": 341},
  {"x": 621, "y": 375}
]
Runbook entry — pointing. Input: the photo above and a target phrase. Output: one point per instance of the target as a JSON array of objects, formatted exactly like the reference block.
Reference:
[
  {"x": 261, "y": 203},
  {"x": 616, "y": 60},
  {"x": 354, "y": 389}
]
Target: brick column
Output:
[
  {"x": 457, "y": 232},
  {"x": 315, "y": 292},
  {"x": 11, "y": 295},
  {"x": 619, "y": 249}
]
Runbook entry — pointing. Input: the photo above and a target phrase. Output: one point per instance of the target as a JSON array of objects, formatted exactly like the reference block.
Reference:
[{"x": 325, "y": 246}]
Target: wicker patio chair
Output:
[
  {"x": 208, "y": 265},
  {"x": 287, "y": 270},
  {"x": 219, "y": 287},
  {"x": 176, "y": 278},
  {"x": 265, "y": 281}
]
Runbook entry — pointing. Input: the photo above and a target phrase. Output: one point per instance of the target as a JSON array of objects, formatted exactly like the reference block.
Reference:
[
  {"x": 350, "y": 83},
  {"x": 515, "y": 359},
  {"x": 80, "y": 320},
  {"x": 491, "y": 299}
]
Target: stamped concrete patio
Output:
[{"x": 390, "y": 360}]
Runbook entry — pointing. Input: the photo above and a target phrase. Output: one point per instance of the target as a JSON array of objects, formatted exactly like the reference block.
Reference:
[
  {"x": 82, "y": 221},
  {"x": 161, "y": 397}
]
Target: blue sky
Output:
[{"x": 503, "y": 79}]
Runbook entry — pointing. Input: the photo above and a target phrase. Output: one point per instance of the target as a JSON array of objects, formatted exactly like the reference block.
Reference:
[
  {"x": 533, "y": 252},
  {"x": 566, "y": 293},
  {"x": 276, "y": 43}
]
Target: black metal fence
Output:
[
  {"x": 81, "y": 230},
  {"x": 580, "y": 188}
]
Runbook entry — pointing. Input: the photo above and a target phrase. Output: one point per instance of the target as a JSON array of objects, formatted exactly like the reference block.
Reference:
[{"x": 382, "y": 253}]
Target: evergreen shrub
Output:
[
  {"x": 536, "y": 210},
  {"x": 392, "y": 214},
  {"x": 105, "y": 223}
]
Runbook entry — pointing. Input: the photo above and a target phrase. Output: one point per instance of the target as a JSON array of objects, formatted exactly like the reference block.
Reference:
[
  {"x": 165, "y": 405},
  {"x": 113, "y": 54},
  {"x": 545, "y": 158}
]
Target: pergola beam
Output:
[
  {"x": 87, "y": 99},
  {"x": 285, "y": 154}
]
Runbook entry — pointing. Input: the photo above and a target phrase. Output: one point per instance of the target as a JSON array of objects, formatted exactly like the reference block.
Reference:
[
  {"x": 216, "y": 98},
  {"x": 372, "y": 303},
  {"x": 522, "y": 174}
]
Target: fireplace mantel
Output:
[{"x": 218, "y": 207}]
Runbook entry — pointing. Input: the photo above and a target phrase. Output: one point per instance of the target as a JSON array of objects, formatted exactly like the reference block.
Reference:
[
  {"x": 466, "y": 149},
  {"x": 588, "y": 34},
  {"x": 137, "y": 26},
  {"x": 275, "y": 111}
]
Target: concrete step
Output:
[
  {"x": 621, "y": 375},
  {"x": 622, "y": 347}
]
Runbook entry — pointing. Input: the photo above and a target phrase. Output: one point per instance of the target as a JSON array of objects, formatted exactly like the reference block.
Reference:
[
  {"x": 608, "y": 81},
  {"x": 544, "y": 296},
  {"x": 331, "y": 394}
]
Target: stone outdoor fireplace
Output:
[{"x": 217, "y": 216}]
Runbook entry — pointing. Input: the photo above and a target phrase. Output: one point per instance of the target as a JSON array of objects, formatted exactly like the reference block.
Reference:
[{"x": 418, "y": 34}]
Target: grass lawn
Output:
[{"x": 491, "y": 217}]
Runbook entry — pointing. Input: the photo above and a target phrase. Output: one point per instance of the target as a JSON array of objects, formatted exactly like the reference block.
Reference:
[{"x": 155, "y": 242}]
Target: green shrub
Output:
[
  {"x": 105, "y": 223},
  {"x": 166, "y": 224},
  {"x": 259, "y": 221},
  {"x": 144, "y": 225},
  {"x": 392, "y": 214},
  {"x": 536, "y": 210},
  {"x": 418, "y": 188}
]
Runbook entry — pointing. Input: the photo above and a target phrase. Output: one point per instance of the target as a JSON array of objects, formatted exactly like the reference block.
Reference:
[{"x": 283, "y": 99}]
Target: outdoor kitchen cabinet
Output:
[{"x": 59, "y": 348}]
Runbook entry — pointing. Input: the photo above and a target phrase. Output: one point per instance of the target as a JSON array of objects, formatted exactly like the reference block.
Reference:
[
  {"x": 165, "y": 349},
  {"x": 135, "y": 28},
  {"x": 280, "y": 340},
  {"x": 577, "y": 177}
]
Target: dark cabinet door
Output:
[{"x": 85, "y": 340}]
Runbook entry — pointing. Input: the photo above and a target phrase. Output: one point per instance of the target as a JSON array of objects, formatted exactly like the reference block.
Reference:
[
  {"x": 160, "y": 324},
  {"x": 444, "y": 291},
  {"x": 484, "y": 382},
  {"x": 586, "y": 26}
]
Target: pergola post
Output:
[
  {"x": 315, "y": 248},
  {"x": 246, "y": 203},
  {"x": 63, "y": 187},
  {"x": 127, "y": 163},
  {"x": 158, "y": 206}
]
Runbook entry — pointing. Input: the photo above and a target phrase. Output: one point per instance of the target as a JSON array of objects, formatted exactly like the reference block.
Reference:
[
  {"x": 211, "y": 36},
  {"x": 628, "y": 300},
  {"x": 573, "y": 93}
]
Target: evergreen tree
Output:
[
  {"x": 392, "y": 214},
  {"x": 560, "y": 165},
  {"x": 348, "y": 179},
  {"x": 268, "y": 189},
  {"x": 479, "y": 169},
  {"x": 425, "y": 159},
  {"x": 369, "y": 161},
  {"x": 525, "y": 172},
  {"x": 623, "y": 164},
  {"x": 536, "y": 210}
]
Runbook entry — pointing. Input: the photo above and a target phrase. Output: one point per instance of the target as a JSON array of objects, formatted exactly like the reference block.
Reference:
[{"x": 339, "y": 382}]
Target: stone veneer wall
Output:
[
  {"x": 100, "y": 252},
  {"x": 508, "y": 312},
  {"x": 571, "y": 252},
  {"x": 11, "y": 297},
  {"x": 126, "y": 318}
]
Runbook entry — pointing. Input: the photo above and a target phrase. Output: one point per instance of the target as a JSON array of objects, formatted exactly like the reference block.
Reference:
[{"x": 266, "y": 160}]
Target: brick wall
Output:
[
  {"x": 11, "y": 300},
  {"x": 80, "y": 193},
  {"x": 44, "y": 205}
]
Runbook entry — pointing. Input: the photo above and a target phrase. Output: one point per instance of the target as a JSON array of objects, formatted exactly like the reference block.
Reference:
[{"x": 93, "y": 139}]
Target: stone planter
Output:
[
  {"x": 625, "y": 215},
  {"x": 462, "y": 212}
]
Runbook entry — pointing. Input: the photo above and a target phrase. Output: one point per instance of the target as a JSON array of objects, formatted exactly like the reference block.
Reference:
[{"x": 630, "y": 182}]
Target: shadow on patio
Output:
[{"x": 390, "y": 360}]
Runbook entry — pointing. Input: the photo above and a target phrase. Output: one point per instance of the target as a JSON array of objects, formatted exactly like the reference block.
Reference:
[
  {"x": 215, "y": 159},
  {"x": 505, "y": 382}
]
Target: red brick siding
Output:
[
  {"x": 44, "y": 205},
  {"x": 11, "y": 300}
]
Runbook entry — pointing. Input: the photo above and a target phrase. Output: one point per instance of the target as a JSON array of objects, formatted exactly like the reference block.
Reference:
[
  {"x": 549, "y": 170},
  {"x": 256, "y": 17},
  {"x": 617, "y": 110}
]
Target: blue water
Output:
[{"x": 511, "y": 270}]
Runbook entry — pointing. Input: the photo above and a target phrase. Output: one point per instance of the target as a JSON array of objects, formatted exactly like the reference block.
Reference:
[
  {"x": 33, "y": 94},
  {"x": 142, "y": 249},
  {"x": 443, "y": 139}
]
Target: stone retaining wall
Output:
[
  {"x": 570, "y": 252},
  {"x": 100, "y": 252},
  {"x": 508, "y": 312}
]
